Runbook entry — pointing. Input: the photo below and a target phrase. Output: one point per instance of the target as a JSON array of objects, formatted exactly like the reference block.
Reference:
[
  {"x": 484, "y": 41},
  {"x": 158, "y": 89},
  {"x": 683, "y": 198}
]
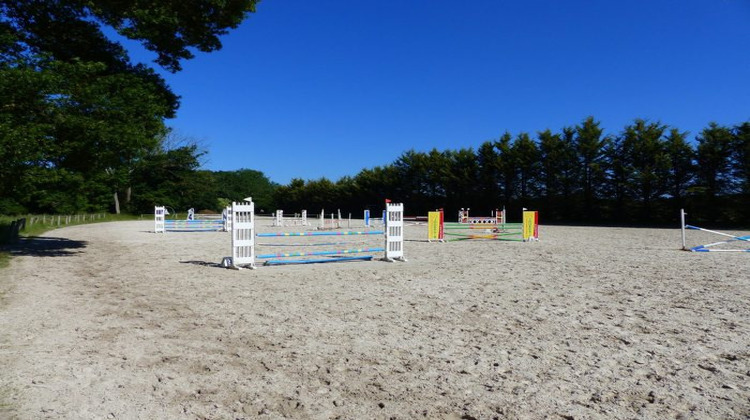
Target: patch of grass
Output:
[
  {"x": 39, "y": 224},
  {"x": 4, "y": 261}
]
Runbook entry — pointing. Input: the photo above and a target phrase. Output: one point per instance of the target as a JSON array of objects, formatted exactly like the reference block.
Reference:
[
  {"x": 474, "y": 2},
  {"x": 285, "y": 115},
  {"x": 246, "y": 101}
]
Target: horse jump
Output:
[
  {"x": 707, "y": 247},
  {"x": 193, "y": 223},
  {"x": 280, "y": 220},
  {"x": 244, "y": 247},
  {"x": 369, "y": 221},
  {"x": 495, "y": 227},
  {"x": 497, "y": 217}
]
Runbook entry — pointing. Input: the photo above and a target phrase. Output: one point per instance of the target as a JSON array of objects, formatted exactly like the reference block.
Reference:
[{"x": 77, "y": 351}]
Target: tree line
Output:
[{"x": 642, "y": 175}]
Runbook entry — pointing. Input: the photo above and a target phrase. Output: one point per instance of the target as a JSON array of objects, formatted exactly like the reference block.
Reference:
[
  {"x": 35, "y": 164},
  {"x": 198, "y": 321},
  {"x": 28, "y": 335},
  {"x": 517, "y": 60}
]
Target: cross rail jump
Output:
[{"x": 708, "y": 247}]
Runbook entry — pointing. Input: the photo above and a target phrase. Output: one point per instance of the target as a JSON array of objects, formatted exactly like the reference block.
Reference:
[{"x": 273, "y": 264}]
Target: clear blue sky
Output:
[{"x": 325, "y": 88}]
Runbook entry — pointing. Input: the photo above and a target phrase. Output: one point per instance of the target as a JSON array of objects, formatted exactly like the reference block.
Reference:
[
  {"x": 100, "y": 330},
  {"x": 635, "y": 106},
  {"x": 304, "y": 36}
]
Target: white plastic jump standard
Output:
[
  {"x": 227, "y": 215},
  {"x": 682, "y": 228},
  {"x": 243, "y": 235},
  {"x": 279, "y": 221},
  {"x": 159, "y": 219},
  {"x": 394, "y": 228}
]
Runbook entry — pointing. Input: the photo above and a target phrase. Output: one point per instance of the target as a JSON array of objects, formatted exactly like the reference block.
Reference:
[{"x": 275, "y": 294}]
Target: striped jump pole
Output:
[
  {"x": 342, "y": 233},
  {"x": 314, "y": 253},
  {"x": 706, "y": 248},
  {"x": 193, "y": 225}
]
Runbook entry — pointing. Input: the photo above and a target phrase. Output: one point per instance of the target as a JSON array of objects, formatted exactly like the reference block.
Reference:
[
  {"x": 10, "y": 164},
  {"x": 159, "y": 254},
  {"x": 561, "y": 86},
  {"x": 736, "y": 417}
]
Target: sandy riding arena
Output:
[{"x": 110, "y": 321}]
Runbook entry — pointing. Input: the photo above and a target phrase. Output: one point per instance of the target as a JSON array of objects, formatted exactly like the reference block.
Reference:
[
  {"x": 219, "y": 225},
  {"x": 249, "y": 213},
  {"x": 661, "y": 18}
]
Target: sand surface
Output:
[{"x": 112, "y": 321}]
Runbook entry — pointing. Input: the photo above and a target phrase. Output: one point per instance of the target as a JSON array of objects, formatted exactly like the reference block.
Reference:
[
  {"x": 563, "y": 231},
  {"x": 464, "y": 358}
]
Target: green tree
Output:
[
  {"x": 170, "y": 28},
  {"x": 616, "y": 189},
  {"x": 714, "y": 154},
  {"x": 681, "y": 166},
  {"x": 459, "y": 183},
  {"x": 76, "y": 115},
  {"x": 507, "y": 167},
  {"x": 557, "y": 173},
  {"x": 590, "y": 147},
  {"x": 647, "y": 162},
  {"x": 526, "y": 155},
  {"x": 414, "y": 185},
  {"x": 376, "y": 184},
  {"x": 288, "y": 196},
  {"x": 715, "y": 175},
  {"x": 242, "y": 183},
  {"x": 741, "y": 156},
  {"x": 165, "y": 177},
  {"x": 488, "y": 174}
]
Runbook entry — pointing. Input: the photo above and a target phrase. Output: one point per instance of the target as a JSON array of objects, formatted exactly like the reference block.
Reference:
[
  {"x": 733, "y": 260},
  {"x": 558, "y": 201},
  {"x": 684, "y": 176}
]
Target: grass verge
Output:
[
  {"x": 4, "y": 261},
  {"x": 37, "y": 225}
]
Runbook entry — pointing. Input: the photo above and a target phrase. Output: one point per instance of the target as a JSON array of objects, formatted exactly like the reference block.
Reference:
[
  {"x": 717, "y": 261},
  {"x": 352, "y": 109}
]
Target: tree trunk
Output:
[
  {"x": 128, "y": 193},
  {"x": 117, "y": 204}
]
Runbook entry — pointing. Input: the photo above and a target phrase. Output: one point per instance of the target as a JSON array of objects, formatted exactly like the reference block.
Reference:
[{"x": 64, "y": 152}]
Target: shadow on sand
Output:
[
  {"x": 47, "y": 247},
  {"x": 203, "y": 263}
]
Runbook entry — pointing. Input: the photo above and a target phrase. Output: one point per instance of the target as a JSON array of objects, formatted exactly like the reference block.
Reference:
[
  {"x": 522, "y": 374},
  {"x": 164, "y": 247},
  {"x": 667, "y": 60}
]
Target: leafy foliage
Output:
[
  {"x": 78, "y": 120},
  {"x": 642, "y": 175}
]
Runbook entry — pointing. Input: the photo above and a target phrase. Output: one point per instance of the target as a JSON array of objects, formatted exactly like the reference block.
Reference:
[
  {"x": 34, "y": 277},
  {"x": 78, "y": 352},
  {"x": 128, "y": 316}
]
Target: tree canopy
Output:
[
  {"x": 77, "y": 118},
  {"x": 641, "y": 175}
]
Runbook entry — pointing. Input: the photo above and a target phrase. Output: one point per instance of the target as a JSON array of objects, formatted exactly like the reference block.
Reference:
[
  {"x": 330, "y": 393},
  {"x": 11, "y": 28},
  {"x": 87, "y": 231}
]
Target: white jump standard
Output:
[{"x": 244, "y": 248}]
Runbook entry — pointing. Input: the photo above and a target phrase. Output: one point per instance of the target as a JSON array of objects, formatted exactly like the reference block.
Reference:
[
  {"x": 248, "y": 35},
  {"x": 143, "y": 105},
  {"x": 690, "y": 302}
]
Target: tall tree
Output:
[
  {"x": 741, "y": 155},
  {"x": 170, "y": 28},
  {"x": 681, "y": 166},
  {"x": 619, "y": 168},
  {"x": 647, "y": 162},
  {"x": 413, "y": 170},
  {"x": 557, "y": 170},
  {"x": 76, "y": 112},
  {"x": 714, "y": 155},
  {"x": 570, "y": 173},
  {"x": 242, "y": 183},
  {"x": 488, "y": 173},
  {"x": 526, "y": 155},
  {"x": 590, "y": 147},
  {"x": 165, "y": 177},
  {"x": 460, "y": 181},
  {"x": 507, "y": 167}
]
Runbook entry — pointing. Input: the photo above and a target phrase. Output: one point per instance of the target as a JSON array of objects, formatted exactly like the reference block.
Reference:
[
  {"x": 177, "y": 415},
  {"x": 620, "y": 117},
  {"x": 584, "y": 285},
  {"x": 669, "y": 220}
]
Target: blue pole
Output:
[
  {"x": 311, "y": 253},
  {"x": 345, "y": 233}
]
